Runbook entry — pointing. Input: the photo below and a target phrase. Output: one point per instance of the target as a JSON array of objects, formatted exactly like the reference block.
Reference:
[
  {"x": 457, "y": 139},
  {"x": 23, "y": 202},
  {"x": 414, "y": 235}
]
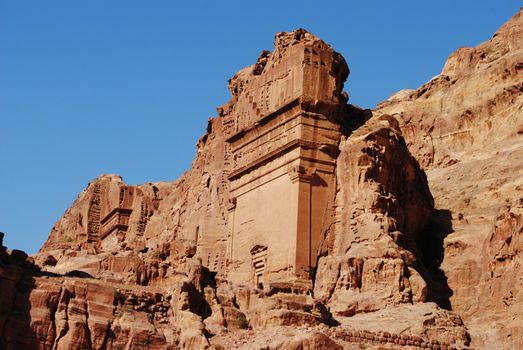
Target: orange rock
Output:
[
  {"x": 462, "y": 126},
  {"x": 299, "y": 212}
]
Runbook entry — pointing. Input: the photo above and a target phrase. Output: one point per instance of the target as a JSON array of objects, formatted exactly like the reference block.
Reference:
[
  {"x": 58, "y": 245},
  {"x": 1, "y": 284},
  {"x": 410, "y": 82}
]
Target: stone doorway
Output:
[{"x": 259, "y": 263}]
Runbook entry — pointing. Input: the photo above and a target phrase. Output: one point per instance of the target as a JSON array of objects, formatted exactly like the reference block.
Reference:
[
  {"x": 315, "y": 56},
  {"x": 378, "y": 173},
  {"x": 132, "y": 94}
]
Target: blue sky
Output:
[{"x": 91, "y": 87}]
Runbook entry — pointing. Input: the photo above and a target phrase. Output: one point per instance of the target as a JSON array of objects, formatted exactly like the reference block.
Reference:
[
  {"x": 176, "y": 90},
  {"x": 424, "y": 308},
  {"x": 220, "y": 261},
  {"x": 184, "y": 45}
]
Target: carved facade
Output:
[
  {"x": 282, "y": 138},
  {"x": 105, "y": 219}
]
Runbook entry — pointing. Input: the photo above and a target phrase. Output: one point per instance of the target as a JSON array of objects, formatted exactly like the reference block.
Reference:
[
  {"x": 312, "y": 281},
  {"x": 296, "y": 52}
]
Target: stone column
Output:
[{"x": 304, "y": 177}]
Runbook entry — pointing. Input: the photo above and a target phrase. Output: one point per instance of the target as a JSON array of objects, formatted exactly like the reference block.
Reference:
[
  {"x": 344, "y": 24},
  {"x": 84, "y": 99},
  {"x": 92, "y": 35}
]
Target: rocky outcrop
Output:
[
  {"x": 416, "y": 243},
  {"x": 382, "y": 205},
  {"x": 138, "y": 233},
  {"x": 464, "y": 127},
  {"x": 14, "y": 291},
  {"x": 293, "y": 338},
  {"x": 50, "y": 311}
]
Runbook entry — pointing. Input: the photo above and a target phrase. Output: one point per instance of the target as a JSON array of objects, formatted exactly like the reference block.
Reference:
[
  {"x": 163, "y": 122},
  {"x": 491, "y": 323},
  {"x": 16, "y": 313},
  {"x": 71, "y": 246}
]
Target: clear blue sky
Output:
[{"x": 91, "y": 87}]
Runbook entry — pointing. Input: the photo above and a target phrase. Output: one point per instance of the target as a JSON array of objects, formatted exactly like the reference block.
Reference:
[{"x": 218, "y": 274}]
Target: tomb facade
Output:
[{"x": 282, "y": 134}]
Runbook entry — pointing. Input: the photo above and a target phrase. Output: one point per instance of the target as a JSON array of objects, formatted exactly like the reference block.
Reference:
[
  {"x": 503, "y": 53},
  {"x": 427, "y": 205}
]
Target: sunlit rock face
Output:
[
  {"x": 465, "y": 127},
  {"x": 382, "y": 207},
  {"x": 283, "y": 130},
  {"x": 304, "y": 222}
]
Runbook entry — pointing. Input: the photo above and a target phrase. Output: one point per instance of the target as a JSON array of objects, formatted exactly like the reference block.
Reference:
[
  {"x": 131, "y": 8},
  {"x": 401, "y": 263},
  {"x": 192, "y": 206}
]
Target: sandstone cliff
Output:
[
  {"x": 419, "y": 232},
  {"x": 136, "y": 233},
  {"x": 465, "y": 128}
]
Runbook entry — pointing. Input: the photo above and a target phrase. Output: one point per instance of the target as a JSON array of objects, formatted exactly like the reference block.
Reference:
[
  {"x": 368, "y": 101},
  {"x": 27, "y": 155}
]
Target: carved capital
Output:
[
  {"x": 232, "y": 204},
  {"x": 301, "y": 173}
]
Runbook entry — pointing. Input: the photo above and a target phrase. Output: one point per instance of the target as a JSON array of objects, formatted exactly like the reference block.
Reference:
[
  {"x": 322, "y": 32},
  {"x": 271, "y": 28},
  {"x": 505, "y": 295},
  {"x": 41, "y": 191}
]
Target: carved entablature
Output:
[
  {"x": 117, "y": 220},
  {"x": 257, "y": 249},
  {"x": 301, "y": 173},
  {"x": 302, "y": 69},
  {"x": 259, "y": 265},
  {"x": 232, "y": 204},
  {"x": 271, "y": 141}
]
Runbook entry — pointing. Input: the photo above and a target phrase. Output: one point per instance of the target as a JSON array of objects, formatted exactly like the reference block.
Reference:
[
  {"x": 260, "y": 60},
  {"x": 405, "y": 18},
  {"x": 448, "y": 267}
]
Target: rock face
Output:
[
  {"x": 465, "y": 128},
  {"x": 304, "y": 222},
  {"x": 383, "y": 203},
  {"x": 41, "y": 310},
  {"x": 138, "y": 233}
]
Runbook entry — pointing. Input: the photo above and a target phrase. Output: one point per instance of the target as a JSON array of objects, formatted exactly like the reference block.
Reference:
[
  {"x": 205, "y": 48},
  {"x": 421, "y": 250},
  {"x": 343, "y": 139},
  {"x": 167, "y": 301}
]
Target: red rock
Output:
[
  {"x": 463, "y": 126},
  {"x": 165, "y": 265}
]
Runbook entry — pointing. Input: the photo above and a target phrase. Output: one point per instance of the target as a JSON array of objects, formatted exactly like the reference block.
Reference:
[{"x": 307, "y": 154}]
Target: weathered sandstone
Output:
[
  {"x": 465, "y": 128},
  {"x": 304, "y": 222},
  {"x": 382, "y": 205}
]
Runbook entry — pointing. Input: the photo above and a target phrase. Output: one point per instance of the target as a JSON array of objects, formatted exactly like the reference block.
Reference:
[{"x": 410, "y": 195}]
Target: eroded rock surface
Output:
[
  {"x": 465, "y": 128},
  {"x": 382, "y": 205},
  {"x": 413, "y": 239}
]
